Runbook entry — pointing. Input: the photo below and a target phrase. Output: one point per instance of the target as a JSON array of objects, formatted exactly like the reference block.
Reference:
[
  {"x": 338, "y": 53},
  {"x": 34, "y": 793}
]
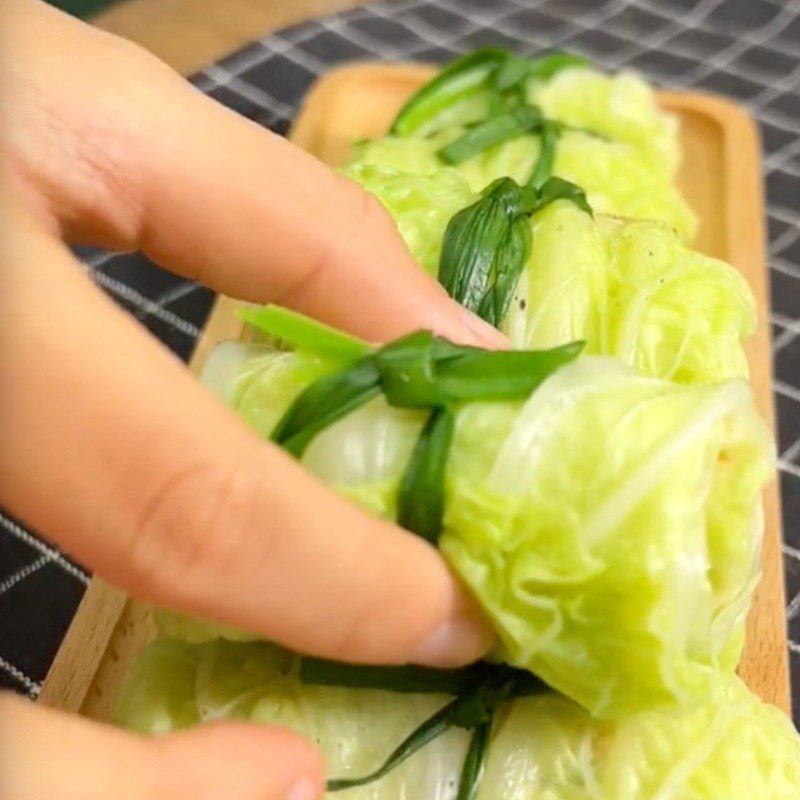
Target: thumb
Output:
[{"x": 44, "y": 753}]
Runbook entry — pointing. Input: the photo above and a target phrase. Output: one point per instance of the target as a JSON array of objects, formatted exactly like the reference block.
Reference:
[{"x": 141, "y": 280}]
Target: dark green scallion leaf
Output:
[
  {"x": 474, "y": 763},
  {"x": 555, "y": 188},
  {"x": 412, "y": 679},
  {"x": 498, "y": 684},
  {"x": 494, "y": 130},
  {"x": 420, "y": 500},
  {"x": 509, "y": 261},
  {"x": 323, "y": 402},
  {"x": 408, "y": 679},
  {"x": 501, "y": 374},
  {"x": 543, "y": 168},
  {"x": 482, "y": 688},
  {"x": 547, "y": 66},
  {"x": 462, "y": 78},
  {"x": 429, "y": 730},
  {"x": 483, "y": 243}
]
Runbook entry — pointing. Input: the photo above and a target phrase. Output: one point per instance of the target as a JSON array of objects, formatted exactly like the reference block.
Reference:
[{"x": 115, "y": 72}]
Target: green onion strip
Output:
[
  {"x": 485, "y": 248},
  {"x": 425, "y": 372}
]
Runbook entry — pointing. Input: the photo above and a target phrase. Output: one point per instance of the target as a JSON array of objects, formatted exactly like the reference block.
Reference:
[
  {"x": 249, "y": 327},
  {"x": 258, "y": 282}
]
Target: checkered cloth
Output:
[{"x": 749, "y": 49}]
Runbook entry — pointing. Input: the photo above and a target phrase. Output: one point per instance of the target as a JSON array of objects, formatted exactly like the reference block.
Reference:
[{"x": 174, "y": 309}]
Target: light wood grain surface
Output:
[
  {"x": 721, "y": 180},
  {"x": 189, "y": 34}
]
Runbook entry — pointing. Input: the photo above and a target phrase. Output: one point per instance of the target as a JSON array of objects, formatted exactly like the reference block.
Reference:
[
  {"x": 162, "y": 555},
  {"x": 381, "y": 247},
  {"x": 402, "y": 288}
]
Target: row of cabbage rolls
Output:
[{"x": 598, "y": 491}]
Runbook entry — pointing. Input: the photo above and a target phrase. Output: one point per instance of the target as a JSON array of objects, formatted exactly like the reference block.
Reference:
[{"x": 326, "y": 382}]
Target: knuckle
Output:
[
  {"x": 191, "y": 529},
  {"x": 367, "y": 212}
]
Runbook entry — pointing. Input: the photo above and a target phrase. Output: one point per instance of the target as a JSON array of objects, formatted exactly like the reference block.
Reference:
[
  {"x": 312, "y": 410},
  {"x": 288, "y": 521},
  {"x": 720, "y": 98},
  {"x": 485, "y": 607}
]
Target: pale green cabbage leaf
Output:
[
  {"x": 630, "y": 171},
  {"x": 542, "y": 748},
  {"x": 633, "y": 290},
  {"x": 609, "y": 526},
  {"x": 421, "y": 205}
]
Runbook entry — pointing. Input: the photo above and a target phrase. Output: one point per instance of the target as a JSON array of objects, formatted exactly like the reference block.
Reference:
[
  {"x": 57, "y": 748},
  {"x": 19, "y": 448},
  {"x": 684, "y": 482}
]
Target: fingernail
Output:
[
  {"x": 486, "y": 334},
  {"x": 304, "y": 789},
  {"x": 457, "y": 641}
]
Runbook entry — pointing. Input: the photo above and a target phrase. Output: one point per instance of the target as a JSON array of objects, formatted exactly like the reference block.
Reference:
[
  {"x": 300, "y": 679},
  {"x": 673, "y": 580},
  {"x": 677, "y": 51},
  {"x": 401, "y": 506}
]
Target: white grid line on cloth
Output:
[
  {"x": 586, "y": 22},
  {"x": 793, "y": 607},
  {"x": 777, "y": 119},
  {"x": 790, "y": 551},
  {"x": 140, "y": 301},
  {"x": 20, "y": 533},
  {"x": 740, "y": 45},
  {"x": 23, "y": 572},
  {"x": 276, "y": 45},
  {"x": 789, "y": 216},
  {"x": 175, "y": 293},
  {"x": 785, "y": 85},
  {"x": 791, "y": 451},
  {"x": 640, "y": 46},
  {"x": 249, "y": 92},
  {"x": 289, "y": 49},
  {"x": 376, "y": 47},
  {"x": 786, "y": 238},
  {"x": 98, "y": 259},
  {"x": 781, "y": 387},
  {"x": 33, "y": 687},
  {"x": 788, "y": 467},
  {"x": 791, "y": 330},
  {"x": 787, "y": 151},
  {"x": 788, "y": 169},
  {"x": 383, "y": 49},
  {"x": 794, "y": 647},
  {"x": 786, "y": 267},
  {"x": 149, "y": 308},
  {"x": 718, "y": 28},
  {"x": 433, "y": 36},
  {"x": 674, "y": 29},
  {"x": 785, "y": 338},
  {"x": 783, "y": 321}
]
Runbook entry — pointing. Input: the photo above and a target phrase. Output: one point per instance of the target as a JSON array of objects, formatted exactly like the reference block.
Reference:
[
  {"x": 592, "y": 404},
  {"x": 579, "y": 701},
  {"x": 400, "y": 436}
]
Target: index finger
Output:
[
  {"x": 204, "y": 191},
  {"x": 111, "y": 445}
]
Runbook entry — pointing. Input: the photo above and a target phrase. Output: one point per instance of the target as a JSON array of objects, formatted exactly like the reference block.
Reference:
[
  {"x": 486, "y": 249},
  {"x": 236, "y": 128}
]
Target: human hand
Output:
[{"x": 111, "y": 447}]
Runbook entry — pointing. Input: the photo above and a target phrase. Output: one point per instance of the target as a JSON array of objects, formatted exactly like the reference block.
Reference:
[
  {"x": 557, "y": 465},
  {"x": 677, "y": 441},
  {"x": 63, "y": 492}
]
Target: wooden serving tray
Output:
[{"x": 721, "y": 178}]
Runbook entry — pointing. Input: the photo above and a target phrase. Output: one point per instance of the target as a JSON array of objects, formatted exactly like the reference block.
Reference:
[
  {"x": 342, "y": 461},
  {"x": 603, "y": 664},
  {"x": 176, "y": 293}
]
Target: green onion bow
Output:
[{"x": 419, "y": 371}]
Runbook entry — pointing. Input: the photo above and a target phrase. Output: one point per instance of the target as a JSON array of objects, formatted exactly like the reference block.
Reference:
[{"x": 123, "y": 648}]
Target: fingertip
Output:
[
  {"x": 487, "y": 335},
  {"x": 465, "y": 327},
  {"x": 462, "y": 637}
]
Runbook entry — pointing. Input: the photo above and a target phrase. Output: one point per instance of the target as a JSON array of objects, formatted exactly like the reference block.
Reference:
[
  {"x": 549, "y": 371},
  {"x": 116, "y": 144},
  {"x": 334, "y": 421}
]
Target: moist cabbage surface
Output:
[
  {"x": 609, "y": 525},
  {"x": 633, "y": 290},
  {"x": 542, "y": 748},
  {"x": 629, "y": 169}
]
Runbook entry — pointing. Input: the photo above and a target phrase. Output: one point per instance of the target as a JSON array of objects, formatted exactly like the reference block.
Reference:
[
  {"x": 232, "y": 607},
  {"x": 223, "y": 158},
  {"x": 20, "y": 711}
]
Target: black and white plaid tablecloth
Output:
[{"x": 748, "y": 49}]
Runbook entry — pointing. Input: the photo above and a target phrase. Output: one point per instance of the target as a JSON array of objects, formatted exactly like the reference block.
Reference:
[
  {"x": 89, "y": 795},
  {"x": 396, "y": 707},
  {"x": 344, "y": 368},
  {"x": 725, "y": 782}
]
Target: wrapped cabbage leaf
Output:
[
  {"x": 421, "y": 205},
  {"x": 628, "y": 288},
  {"x": 613, "y": 141},
  {"x": 543, "y": 746},
  {"x": 609, "y": 525},
  {"x": 631, "y": 289}
]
